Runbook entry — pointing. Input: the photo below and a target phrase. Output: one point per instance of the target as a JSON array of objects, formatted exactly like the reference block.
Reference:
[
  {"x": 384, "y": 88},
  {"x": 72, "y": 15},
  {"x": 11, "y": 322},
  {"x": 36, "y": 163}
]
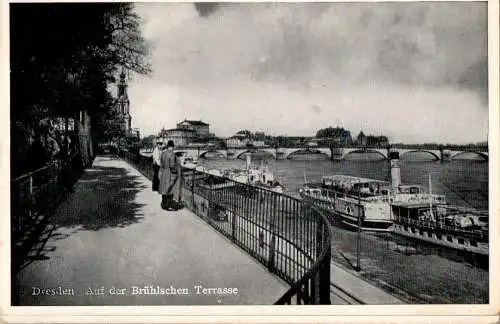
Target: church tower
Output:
[{"x": 123, "y": 104}]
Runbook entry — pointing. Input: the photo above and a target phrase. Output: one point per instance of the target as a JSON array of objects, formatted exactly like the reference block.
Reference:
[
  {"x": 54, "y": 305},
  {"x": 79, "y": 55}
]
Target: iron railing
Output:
[
  {"x": 35, "y": 195},
  {"x": 290, "y": 237}
]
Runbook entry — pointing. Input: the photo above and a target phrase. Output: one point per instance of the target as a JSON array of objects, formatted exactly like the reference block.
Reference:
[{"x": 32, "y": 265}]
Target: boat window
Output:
[
  {"x": 429, "y": 234},
  {"x": 406, "y": 228},
  {"x": 413, "y": 230},
  {"x": 449, "y": 239},
  {"x": 439, "y": 236},
  {"x": 473, "y": 243},
  {"x": 461, "y": 241},
  {"x": 414, "y": 190}
]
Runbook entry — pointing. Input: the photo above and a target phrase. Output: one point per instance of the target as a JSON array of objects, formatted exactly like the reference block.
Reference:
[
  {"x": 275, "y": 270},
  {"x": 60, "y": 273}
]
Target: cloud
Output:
[{"x": 237, "y": 64}]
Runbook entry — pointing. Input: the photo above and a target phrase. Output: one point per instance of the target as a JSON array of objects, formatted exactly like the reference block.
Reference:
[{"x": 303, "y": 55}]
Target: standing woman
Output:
[
  {"x": 168, "y": 176},
  {"x": 156, "y": 163}
]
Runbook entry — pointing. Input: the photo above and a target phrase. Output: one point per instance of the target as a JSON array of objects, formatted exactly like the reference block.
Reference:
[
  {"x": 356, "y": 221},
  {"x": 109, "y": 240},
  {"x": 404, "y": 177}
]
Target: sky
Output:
[{"x": 415, "y": 72}]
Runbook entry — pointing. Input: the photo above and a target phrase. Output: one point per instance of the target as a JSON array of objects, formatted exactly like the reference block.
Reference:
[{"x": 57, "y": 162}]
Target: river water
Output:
[{"x": 463, "y": 181}]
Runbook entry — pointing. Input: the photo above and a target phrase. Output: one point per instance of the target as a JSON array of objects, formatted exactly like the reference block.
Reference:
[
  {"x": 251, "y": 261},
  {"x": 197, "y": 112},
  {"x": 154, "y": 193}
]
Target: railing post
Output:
[
  {"x": 316, "y": 279},
  {"x": 272, "y": 243},
  {"x": 31, "y": 195},
  {"x": 179, "y": 172},
  {"x": 193, "y": 174},
  {"x": 233, "y": 226},
  {"x": 54, "y": 185},
  {"x": 324, "y": 270},
  {"x": 358, "y": 238},
  {"x": 210, "y": 206}
]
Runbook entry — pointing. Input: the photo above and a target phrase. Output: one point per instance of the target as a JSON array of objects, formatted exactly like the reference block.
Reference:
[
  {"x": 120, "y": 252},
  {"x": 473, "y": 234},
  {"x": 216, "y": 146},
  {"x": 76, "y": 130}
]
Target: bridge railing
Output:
[{"x": 290, "y": 237}]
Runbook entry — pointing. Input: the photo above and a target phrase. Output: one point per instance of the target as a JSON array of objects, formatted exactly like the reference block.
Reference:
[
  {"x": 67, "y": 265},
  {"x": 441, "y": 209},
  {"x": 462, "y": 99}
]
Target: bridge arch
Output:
[
  {"x": 239, "y": 154},
  {"x": 303, "y": 150},
  {"x": 346, "y": 154},
  {"x": 481, "y": 154},
  {"x": 204, "y": 152},
  {"x": 180, "y": 152},
  {"x": 436, "y": 157}
]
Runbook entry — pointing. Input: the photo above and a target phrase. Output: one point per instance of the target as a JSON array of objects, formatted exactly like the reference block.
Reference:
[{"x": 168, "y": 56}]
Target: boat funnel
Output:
[
  {"x": 395, "y": 170},
  {"x": 249, "y": 161}
]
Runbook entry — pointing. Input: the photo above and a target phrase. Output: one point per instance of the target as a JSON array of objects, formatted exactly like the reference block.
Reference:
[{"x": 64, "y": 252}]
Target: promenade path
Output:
[{"x": 112, "y": 233}]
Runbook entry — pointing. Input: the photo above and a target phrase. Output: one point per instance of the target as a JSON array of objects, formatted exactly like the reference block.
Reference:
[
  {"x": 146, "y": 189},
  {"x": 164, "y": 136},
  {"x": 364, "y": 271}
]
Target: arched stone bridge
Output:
[{"x": 332, "y": 153}]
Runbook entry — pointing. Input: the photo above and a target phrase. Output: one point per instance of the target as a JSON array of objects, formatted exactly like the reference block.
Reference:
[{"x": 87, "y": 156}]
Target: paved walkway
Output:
[
  {"x": 111, "y": 235},
  {"x": 359, "y": 288}
]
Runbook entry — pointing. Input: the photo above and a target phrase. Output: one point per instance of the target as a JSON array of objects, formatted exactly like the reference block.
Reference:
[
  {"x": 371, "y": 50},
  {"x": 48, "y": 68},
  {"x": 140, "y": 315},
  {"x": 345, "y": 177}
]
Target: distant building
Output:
[
  {"x": 258, "y": 143},
  {"x": 361, "y": 140},
  {"x": 259, "y": 136},
  {"x": 180, "y": 137},
  {"x": 237, "y": 140},
  {"x": 122, "y": 106},
  {"x": 198, "y": 126},
  {"x": 242, "y": 140},
  {"x": 192, "y": 133}
]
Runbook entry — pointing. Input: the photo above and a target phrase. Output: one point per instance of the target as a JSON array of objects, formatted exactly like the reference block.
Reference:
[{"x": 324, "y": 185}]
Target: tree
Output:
[
  {"x": 65, "y": 55},
  {"x": 337, "y": 134},
  {"x": 108, "y": 124},
  {"x": 147, "y": 142}
]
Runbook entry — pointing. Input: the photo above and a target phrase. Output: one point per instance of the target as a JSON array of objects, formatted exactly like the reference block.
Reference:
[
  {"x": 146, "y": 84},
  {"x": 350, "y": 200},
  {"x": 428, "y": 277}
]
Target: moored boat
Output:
[
  {"x": 406, "y": 210},
  {"x": 257, "y": 177},
  {"x": 252, "y": 176},
  {"x": 352, "y": 201},
  {"x": 147, "y": 151},
  {"x": 187, "y": 161},
  {"x": 449, "y": 226}
]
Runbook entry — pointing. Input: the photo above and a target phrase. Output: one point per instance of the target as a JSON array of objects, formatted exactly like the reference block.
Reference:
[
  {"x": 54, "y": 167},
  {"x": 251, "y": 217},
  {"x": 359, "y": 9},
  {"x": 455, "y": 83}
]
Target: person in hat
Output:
[
  {"x": 156, "y": 163},
  {"x": 168, "y": 177}
]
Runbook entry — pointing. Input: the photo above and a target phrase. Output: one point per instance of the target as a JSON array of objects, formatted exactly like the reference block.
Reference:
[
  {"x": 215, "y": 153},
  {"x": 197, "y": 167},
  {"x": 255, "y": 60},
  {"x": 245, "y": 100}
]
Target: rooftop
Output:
[
  {"x": 180, "y": 130},
  {"x": 194, "y": 122}
]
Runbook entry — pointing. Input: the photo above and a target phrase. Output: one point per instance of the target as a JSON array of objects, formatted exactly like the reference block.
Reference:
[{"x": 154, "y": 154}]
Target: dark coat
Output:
[{"x": 168, "y": 172}]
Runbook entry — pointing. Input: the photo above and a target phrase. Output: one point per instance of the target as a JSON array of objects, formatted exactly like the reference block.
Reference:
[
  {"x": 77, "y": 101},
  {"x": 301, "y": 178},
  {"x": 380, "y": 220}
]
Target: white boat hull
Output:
[
  {"x": 347, "y": 211},
  {"x": 443, "y": 239}
]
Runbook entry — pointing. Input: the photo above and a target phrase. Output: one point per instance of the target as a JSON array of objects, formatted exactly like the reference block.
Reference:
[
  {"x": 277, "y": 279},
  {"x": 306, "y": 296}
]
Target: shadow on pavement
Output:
[{"x": 104, "y": 197}]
